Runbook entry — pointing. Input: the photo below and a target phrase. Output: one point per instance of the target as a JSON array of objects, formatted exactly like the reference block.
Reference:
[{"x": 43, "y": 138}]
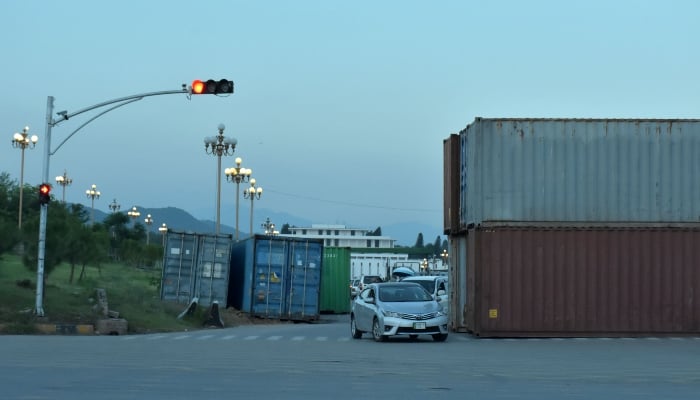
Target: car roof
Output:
[
  {"x": 398, "y": 284},
  {"x": 422, "y": 278}
]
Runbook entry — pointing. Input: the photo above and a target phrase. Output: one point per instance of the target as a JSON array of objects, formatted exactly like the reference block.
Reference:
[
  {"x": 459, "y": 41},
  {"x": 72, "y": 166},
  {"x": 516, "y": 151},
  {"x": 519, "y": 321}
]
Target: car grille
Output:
[{"x": 418, "y": 317}]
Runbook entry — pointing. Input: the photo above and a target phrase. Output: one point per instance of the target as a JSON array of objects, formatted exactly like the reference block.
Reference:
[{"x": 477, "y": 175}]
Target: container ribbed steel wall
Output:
[
  {"x": 561, "y": 281},
  {"x": 196, "y": 266},
  {"x": 335, "y": 280},
  {"x": 580, "y": 170}
]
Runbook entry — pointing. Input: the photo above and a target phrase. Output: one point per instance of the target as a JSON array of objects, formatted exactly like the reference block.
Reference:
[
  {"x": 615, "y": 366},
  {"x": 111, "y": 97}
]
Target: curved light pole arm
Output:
[{"x": 90, "y": 120}]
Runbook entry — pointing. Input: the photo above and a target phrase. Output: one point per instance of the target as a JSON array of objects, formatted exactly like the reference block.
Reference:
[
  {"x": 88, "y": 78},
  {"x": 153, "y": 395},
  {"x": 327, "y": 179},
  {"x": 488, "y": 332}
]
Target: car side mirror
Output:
[
  {"x": 441, "y": 292},
  {"x": 370, "y": 300}
]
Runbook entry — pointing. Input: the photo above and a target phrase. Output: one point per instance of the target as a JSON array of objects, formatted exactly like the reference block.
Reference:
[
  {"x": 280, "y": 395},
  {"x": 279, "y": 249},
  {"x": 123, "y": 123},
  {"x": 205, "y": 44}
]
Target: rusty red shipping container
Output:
[
  {"x": 451, "y": 191},
  {"x": 577, "y": 281}
]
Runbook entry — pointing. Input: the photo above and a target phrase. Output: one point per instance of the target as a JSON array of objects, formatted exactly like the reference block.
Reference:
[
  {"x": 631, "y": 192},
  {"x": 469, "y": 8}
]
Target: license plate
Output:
[{"x": 419, "y": 325}]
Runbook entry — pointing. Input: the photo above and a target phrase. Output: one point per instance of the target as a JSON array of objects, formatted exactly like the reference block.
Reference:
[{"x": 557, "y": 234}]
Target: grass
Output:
[{"x": 132, "y": 292}]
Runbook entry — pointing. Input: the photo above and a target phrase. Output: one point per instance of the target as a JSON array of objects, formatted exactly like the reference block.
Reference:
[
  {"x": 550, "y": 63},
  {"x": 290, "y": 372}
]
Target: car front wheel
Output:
[
  {"x": 377, "y": 331},
  {"x": 440, "y": 337},
  {"x": 356, "y": 333}
]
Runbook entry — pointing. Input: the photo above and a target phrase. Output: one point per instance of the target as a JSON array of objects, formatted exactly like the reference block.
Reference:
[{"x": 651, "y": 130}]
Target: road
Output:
[{"x": 321, "y": 361}]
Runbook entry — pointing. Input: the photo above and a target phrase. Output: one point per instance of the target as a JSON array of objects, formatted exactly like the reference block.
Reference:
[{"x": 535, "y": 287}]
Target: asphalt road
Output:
[{"x": 321, "y": 361}]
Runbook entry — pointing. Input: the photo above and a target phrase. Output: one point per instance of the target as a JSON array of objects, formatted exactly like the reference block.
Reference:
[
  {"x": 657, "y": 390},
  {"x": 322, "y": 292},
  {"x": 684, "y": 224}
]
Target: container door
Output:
[
  {"x": 269, "y": 277},
  {"x": 304, "y": 280},
  {"x": 179, "y": 262},
  {"x": 214, "y": 259}
]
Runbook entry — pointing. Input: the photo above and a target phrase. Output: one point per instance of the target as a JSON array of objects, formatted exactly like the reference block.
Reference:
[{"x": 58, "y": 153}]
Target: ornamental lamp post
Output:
[
  {"x": 22, "y": 141},
  {"x": 237, "y": 175},
  {"x": 134, "y": 213},
  {"x": 252, "y": 193},
  {"x": 148, "y": 220},
  {"x": 269, "y": 227},
  {"x": 113, "y": 206},
  {"x": 64, "y": 181},
  {"x": 444, "y": 256},
  {"x": 424, "y": 266},
  {"x": 93, "y": 194},
  {"x": 218, "y": 146},
  {"x": 163, "y": 229}
]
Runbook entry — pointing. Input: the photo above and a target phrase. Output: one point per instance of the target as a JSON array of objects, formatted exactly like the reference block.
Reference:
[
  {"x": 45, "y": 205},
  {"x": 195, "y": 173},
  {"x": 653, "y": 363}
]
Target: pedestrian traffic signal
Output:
[
  {"x": 211, "y": 86},
  {"x": 44, "y": 193}
]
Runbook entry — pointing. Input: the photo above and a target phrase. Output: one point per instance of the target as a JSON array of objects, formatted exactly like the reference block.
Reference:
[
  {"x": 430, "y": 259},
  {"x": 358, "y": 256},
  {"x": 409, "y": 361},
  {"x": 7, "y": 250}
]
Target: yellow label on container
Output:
[{"x": 493, "y": 313}]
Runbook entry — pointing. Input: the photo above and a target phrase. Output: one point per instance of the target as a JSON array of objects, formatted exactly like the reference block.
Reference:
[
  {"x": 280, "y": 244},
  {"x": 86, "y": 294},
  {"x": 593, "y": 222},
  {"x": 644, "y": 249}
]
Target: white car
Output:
[
  {"x": 435, "y": 285},
  {"x": 397, "y": 308}
]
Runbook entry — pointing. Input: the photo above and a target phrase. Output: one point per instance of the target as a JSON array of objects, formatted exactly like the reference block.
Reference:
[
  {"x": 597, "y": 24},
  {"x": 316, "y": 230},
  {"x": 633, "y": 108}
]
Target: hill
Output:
[{"x": 405, "y": 233}]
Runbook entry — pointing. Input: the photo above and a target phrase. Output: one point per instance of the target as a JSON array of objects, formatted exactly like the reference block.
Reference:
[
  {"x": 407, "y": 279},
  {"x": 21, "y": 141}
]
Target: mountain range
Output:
[{"x": 405, "y": 233}]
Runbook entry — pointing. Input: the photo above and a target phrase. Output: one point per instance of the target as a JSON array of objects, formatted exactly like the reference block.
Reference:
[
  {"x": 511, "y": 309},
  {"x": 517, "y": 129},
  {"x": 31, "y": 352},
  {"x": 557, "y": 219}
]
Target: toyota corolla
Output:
[{"x": 397, "y": 308}]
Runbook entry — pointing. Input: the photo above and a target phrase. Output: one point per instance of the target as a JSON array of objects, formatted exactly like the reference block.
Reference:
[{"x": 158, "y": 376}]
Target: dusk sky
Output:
[{"x": 340, "y": 108}]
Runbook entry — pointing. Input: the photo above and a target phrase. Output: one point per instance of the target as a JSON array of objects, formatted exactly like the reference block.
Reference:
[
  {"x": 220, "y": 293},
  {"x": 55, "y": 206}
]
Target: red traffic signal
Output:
[
  {"x": 211, "y": 86},
  {"x": 44, "y": 193}
]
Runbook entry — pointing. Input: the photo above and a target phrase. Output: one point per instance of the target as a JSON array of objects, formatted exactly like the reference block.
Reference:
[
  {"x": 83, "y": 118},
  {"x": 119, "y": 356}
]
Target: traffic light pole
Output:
[{"x": 43, "y": 214}]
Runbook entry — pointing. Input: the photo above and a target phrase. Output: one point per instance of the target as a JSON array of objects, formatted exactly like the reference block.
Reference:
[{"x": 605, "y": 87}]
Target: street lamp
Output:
[
  {"x": 64, "y": 181},
  {"x": 21, "y": 141},
  {"x": 114, "y": 206},
  {"x": 237, "y": 175},
  {"x": 424, "y": 266},
  {"x": 219, "y": 146},
  {"x": 134, "y": 213},
  {"x": 269, "y": 227},
  {"x": 163, "y": 230},
  {"x": 252, "y": 193},
  {"x": 93, "y": 194},
  {"x": 148, "y": 220},
  {"x": 444, "y": 257}
]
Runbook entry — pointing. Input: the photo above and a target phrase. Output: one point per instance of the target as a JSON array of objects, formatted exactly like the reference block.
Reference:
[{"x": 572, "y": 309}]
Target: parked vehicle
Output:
[
  {"x": 435, "y": 285},
  {"x": 354, "y": 288},
  {"x": 367, "y": 279},
  {"x": 397, "y": 308}
]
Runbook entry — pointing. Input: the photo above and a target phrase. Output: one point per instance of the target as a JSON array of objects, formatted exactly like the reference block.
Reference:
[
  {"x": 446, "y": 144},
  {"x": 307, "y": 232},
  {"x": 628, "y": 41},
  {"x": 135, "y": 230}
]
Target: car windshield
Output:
[
  {"x": 428, "y": 285},
  {"x": 403, "y": 293}
]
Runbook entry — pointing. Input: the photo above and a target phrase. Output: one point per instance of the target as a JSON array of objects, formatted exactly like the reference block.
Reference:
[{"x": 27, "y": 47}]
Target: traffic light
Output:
[
  {"x": 211, "y": 86},
  {"x": 44, "y": 193}
]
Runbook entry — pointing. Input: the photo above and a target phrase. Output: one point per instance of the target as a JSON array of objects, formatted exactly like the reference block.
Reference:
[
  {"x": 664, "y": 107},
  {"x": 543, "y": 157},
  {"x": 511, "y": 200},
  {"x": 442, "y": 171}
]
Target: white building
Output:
[{"x": 342, "y": 236}]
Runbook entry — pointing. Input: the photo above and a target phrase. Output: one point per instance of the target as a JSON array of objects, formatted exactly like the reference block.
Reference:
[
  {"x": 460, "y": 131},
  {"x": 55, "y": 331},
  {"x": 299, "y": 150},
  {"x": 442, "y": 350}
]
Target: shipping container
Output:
[
  {"x": 451, "y": 151},
  {"x": 179, "y": 267},
  {"x": 335, "y": 280},
  {"x": 554, "y": 280},
  {"x": 196, "y": 266},
  {"x": 579, "y": 170},
  {"x": 277, "y": 277}
]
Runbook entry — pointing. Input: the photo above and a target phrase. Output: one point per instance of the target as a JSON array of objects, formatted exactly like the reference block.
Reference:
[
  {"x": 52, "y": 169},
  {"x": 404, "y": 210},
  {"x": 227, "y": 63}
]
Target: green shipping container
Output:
[{"x": 335, "y": 280}]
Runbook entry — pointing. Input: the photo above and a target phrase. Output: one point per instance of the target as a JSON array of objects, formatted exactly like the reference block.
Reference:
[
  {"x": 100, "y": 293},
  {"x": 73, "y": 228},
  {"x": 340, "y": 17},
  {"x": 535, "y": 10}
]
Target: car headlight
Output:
[
  {"x": 441, "y": 313},
  {"x": 392, "y": 314}
]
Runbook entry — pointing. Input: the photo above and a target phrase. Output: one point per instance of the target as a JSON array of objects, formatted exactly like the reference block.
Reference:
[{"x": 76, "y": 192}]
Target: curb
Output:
[
  {"x": 60, "y": 329},
  {"x": 66, "y": 329}
]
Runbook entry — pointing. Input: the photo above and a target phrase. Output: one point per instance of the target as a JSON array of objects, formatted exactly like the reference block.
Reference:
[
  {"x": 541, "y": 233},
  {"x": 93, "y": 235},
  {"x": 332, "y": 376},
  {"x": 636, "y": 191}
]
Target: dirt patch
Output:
[{"x": 232, "y": 317}]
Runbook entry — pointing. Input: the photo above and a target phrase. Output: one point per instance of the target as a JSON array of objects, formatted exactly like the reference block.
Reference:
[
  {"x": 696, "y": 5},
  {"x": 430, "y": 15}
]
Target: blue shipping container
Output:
[
  {"x": 579, "y": 170},
  {"x": 276, "y": 277}
]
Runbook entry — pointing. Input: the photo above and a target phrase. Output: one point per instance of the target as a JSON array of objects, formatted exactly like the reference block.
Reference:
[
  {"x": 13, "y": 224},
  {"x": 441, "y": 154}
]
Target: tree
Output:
[
  {"x": 285, "y": 229},
  {"x": 419, "y": 241},
  {"x": 376, "y": 232}
]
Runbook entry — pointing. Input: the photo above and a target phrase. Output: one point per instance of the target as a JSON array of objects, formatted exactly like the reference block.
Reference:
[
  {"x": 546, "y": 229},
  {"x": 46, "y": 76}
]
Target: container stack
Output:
[{"x": 574, "y": 227}]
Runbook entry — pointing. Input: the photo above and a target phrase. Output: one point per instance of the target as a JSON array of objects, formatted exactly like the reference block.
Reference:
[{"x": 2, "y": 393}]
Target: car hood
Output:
[{"x": 412, "y": 307}]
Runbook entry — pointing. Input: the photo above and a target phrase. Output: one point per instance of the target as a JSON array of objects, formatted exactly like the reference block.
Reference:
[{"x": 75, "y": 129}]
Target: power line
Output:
[{"x": 346, "y": 203}]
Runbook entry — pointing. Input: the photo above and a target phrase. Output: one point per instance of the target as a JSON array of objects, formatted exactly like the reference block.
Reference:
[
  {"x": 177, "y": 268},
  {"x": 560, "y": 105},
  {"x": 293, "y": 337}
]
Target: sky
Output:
[{"x": 340, "y": 108}]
